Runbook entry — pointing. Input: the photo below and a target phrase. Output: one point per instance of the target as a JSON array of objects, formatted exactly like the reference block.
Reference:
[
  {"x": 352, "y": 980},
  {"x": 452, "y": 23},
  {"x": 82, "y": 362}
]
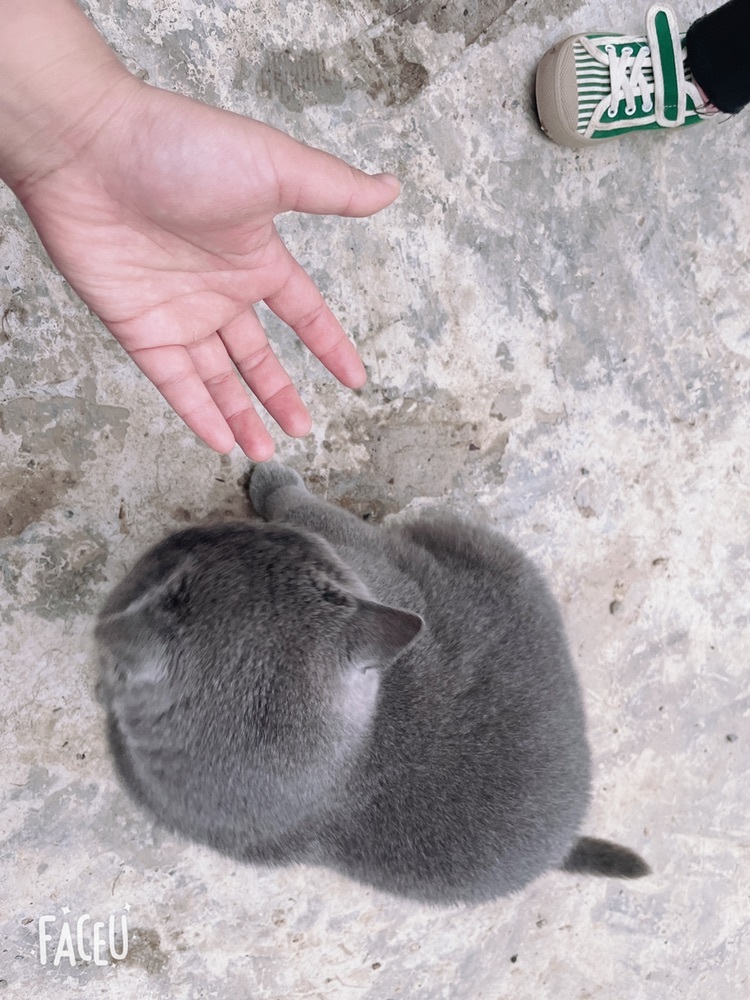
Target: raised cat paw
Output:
[{"x": 268, "y": 477}]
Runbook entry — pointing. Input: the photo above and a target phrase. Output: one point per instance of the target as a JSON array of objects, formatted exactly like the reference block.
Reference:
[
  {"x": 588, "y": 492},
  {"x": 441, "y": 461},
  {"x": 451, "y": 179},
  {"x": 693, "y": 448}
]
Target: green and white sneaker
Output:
[{"x": 595, "y": 87}]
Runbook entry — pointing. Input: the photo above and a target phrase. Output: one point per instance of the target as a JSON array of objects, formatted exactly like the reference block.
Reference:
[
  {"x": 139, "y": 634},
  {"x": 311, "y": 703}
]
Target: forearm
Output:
[{"x": 58, "y": 79}]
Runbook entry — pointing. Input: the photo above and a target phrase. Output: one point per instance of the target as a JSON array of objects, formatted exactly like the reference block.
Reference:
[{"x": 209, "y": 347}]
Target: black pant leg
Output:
[{"x": 718, "y": 53}]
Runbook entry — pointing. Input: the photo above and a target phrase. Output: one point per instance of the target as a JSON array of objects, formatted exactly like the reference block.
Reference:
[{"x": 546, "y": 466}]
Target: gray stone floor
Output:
[{"x": 558, "y": 344}]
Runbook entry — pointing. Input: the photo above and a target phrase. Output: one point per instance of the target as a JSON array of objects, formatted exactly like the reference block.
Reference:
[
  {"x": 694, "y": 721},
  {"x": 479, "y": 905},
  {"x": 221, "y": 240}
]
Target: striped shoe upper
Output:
[{"x": 627, "y": 83}]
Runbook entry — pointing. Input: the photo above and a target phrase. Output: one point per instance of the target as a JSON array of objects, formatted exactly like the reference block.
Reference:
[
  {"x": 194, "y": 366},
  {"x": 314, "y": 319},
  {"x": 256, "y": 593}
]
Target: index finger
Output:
[{"x": 301, "y": 306}]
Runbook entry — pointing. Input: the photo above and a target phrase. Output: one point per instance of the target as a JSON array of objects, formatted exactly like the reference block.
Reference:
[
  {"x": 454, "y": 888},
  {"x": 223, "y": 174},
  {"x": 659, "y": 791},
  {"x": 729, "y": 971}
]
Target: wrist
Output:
[{"x": 59, "y": 83}]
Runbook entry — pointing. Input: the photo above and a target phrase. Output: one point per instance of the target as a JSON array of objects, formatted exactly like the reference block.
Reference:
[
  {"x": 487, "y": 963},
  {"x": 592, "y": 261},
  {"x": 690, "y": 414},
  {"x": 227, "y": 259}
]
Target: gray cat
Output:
[{"x": 396, "y": 703}]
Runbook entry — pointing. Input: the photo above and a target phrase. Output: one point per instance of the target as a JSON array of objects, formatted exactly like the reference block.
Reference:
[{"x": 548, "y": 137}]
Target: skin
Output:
[{"x": 159, "y": 211}]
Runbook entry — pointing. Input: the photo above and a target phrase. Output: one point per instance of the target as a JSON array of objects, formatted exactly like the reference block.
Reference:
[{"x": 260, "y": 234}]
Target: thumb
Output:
[{"x": 313, "y": 181}]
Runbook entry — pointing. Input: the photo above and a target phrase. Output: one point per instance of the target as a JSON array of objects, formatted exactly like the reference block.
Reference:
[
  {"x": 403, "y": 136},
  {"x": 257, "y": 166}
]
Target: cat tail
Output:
[{"x": 591, "y": 856}]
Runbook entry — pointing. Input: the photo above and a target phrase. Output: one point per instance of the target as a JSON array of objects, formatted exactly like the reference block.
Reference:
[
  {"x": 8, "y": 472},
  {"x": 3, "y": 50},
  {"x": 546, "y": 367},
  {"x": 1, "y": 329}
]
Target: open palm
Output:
[{"x": 163, "y": 224}]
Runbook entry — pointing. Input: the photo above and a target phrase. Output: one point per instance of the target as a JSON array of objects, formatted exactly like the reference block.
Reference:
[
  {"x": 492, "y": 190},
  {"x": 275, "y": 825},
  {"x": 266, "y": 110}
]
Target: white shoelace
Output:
[{"x": 627, "y": 79}]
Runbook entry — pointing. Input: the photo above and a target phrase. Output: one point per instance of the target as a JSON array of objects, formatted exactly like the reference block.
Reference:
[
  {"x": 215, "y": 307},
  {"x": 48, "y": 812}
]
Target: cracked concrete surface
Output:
[{"x": 558, "y": 344}]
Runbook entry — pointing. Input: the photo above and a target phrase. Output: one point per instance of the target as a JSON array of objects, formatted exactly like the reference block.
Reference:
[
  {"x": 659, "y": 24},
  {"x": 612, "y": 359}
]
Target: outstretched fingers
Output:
[
  {"x": 301, "y": 306},
  {"x": 246, "y": 344},
  {"x": 243, "y": 341},
  {"x": 174, "y": 375},
  {"x": 203, "y": 388}
]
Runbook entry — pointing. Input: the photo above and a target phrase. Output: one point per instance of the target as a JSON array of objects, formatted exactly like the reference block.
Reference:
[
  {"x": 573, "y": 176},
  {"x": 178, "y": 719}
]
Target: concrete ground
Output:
[{"x": 557, "y": 343}]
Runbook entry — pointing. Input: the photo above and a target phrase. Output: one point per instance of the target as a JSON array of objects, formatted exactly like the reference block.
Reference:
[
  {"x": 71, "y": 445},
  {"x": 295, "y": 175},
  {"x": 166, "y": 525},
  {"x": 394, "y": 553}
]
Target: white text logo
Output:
[{"x": 84, "y": 939}]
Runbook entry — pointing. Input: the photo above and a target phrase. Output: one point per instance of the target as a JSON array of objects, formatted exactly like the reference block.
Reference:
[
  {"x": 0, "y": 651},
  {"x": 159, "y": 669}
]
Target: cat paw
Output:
[{"x": 265, "y": 479}]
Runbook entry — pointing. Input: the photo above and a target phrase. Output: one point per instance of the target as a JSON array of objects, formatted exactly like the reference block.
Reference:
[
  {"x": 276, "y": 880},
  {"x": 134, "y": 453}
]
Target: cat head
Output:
[{"x": 240, "y": 666}]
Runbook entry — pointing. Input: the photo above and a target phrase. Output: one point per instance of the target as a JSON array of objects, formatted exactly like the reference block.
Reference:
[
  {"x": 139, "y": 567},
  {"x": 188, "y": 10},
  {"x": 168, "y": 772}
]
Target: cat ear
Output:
[
  {"x": 129, "y": 652},
  {"x": 131, "y": 664},
  {"x": 377, "y": 634},
  {"x": 126, "y": 624},
  {"x": 132, "y": 656},
  {"x": 147, "y": 588}
]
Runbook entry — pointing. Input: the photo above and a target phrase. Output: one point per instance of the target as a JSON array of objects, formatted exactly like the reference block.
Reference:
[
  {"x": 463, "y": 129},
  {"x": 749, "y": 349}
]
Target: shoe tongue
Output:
[{"x": 670, "y": 94}]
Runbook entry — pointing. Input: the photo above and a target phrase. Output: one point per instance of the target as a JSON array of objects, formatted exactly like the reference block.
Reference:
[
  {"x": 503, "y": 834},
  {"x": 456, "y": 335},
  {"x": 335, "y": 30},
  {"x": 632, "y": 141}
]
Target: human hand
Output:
[{"x": 163, "y": 224}]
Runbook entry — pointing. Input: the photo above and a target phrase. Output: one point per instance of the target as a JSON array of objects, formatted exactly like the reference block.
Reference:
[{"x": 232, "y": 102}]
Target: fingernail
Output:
[
  {"x": 390, "y": 180},
  {"x": 300, "y": 426}
]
